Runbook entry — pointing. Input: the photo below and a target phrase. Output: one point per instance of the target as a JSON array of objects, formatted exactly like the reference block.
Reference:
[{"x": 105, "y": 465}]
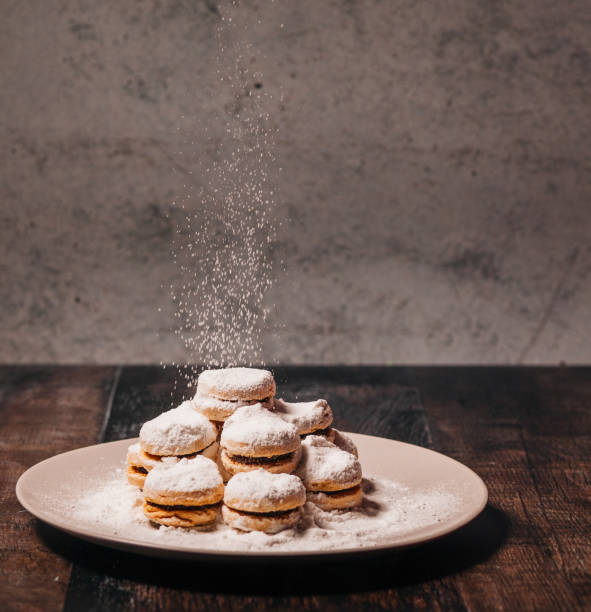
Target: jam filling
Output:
[
  {"x": 236, "y": 401},
  {"x": 173, "y": 508},
  {"x": 318, "y": 432},
  {"x": 260, "y": 460},
  {"x": 189, "y": 456},
  {"x": 276, "y": 514}
]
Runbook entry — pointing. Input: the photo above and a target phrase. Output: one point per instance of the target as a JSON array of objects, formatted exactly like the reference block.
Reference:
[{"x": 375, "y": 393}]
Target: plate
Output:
[{"x": 50, "y": 489}]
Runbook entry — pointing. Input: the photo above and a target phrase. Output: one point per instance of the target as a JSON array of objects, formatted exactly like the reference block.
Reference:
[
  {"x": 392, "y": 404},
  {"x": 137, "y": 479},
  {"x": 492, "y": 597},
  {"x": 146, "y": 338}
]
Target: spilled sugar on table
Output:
[{"x": 525, "y": 431}]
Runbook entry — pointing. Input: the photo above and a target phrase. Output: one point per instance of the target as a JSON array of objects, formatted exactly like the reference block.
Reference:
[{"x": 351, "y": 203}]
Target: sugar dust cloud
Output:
[{"x": 225, "y": 223}]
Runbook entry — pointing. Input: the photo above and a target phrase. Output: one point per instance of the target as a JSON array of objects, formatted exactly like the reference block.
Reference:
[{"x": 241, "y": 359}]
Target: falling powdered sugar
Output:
[
  {"x": 223, "y": 217},
  {"x": 389, "y": 512}
]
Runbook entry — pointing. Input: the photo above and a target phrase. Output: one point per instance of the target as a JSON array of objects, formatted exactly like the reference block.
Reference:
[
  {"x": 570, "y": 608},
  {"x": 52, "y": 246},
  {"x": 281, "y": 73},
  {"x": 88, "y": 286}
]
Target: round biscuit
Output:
[
  {"x": 223, "y": 473},
  {"x": 245, "y": 521},
  {"x": 178, "y": 499},
  {"x": 326, "y": 434},
  {"x": 149, "y": 462},
  {"x": 344, "y": 442},
  {"x": 178, "y": 517},
  {"x": 195, "y": 482},
  {"x": 218, "y": 410},
  {"x": 134, "y": 478},
  {"x": 254, "y": 431},
  {"x": 325, "y": 467},
  {"x": 307, "y": 417},
  {"x": 180, "y": 431},
  {"x": 236, "y": 383},
  {"x": 338, "y": 500},
  {"x": 133, "y": 454},
  {"x": 263, "y": 491},
  {"x": 285, "y": 466}
]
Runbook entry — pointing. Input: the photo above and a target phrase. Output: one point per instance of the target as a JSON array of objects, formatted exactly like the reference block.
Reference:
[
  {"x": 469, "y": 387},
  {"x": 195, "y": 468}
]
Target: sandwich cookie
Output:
[
  {"x": 136, "y": 472},
  {"x": 177, "y": 433},
  {"x": 344, "y": 442},
  {"x": 253, "y": 437},
  {"x": 221, "y": 392},
  {"x": 186, "y": 494},
  {"x": 218, "y": 410},
  {"x": 261, "y": 501},
  {"x": 234, "y": 384},
  {"x": 309, "y": 417},
  {"x": 332, "y": 476}
]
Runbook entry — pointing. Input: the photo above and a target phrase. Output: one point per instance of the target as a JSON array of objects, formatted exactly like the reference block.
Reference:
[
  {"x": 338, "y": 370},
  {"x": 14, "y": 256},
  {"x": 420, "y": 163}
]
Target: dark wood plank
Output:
[
  {"x": 369, "y": 400},
  {"x": 43, "y": 411},
  {"x": 527, "y": 432}
]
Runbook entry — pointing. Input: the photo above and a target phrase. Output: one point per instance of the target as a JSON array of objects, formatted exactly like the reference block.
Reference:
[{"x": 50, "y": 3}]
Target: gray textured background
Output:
[{"x": 435, "y": 185}]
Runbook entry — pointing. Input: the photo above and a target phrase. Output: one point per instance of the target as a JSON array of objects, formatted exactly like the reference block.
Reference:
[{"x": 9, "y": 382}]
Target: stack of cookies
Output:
[
  {"x": 185, "y": 494},
  {"x": 221, "y": 392},
  {"x": 263, "y": 501},
  {"x": 180, "y": 433},
  {"x": 255, "y": 437},
  {"x": 274, "y": 456}
]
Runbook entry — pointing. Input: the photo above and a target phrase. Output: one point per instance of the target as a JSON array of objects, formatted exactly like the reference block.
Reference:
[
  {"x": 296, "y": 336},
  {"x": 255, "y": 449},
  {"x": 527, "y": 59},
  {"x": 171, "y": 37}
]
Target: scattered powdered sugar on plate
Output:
[{"x": 389, "y": 511}]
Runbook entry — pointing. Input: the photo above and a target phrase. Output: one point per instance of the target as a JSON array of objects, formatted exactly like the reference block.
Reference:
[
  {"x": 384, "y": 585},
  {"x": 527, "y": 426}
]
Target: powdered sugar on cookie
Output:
[
  {"x": 306, "y": 416},
  {"x": 323, "y": 462},
  {"x": 133, "y": 453},
  {"x": 344, "y": 442},
  {"x": 187, "y": 476},
  {"x": 179, "y": 431},
  {"x": 260, "y": 488},
  {"x": 255, "y": 426},
  {"x": 236, "y": 383},
  {"x": 218, "y": 409}
]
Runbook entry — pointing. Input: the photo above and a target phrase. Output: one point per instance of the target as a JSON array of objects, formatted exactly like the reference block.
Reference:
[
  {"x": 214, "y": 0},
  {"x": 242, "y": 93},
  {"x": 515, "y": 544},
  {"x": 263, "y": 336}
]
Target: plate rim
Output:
[{"x": 178, "y": 551}]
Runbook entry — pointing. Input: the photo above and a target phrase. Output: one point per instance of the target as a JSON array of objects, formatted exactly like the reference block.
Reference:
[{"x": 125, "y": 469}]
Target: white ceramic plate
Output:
[{"x": 48, "y": 490}]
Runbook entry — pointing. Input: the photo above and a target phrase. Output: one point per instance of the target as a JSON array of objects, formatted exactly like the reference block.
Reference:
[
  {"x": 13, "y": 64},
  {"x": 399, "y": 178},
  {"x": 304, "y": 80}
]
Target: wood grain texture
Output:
[
  {"x": 527, "y": 432},
  {"x": 44, "y": 411}
]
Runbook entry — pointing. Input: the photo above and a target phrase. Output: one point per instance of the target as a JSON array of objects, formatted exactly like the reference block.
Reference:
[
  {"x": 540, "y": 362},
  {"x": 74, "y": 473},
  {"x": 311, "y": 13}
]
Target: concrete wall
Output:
[{"x": 435, "y": 192}]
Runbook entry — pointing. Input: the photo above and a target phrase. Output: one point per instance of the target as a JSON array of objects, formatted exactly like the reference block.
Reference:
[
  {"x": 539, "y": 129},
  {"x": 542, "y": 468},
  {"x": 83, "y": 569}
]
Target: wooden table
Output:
[{"x": 526, "y": 431}]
